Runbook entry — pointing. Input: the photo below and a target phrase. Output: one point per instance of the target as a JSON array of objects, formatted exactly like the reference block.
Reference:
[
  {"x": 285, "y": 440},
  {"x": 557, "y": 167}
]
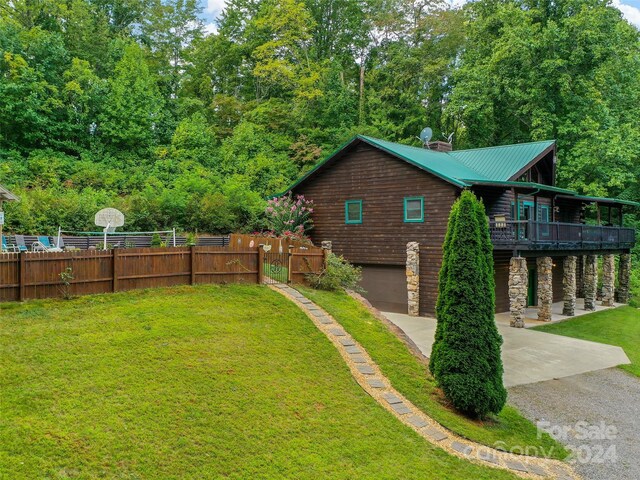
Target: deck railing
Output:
[{"x": 531, "y": 235}]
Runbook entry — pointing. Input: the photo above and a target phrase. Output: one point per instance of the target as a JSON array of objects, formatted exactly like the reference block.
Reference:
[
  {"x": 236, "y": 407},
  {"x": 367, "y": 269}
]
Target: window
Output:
[
  {"x": 353, "y": 211},
  {"x": 414, "y": 209},
  {"x": 545, "y": 218}
]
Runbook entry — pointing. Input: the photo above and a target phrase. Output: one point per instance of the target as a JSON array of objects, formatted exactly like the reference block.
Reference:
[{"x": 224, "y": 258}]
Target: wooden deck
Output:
[{"x": 556, "y": 236}]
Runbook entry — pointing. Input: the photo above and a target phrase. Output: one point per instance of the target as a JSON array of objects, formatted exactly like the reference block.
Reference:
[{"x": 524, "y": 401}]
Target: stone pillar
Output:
[
  {"x": 569, "y": 285},
  {"x": 624, "y": 278},
  {"x": 326, "y": 245},
  {"x": 518, "y": 283},
  {"x": 608, "y": 279},
  {"x": 545, "y": 288},
  {"x": 413, "y": 279},
  {"x": 590, "y": 277}
]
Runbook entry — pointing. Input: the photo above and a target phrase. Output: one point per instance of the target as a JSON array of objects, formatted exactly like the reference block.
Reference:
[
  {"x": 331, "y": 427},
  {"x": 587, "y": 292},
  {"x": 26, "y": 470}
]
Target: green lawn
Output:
[
  {"x": 193, "y": 382},
  {"x": 412, "y": 378},
  {"x": 617, "y": 326}
]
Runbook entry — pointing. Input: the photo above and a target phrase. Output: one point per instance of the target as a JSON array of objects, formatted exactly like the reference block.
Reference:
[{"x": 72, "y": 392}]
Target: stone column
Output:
[
  {"x": 545, "y": 288},
  {"x": 608, "y": 279},
  {"x": 590, "y": 277},
  {"x": 326, "y": 245},
  {"x": 518, "y": 283},
  {"x": 624, "y": 278},
  {"x": 413, "y": 279},
  {"x": 569, "y": 285}
]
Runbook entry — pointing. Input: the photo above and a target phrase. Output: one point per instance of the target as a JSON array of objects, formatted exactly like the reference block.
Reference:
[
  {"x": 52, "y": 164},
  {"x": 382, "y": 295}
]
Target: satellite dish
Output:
[
  {"x": 425, "y": 135},
  {"x": 109, "y": 218}
]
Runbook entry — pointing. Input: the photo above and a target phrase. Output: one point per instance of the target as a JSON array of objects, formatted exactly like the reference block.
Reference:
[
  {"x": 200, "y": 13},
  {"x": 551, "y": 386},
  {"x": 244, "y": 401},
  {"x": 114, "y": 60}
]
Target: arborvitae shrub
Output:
[{"x": 465, "y": 359}]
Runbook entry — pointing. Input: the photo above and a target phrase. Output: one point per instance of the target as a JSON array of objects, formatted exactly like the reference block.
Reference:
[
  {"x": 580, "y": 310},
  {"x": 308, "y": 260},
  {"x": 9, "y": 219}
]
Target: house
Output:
[{"x": 373, "y": 197}]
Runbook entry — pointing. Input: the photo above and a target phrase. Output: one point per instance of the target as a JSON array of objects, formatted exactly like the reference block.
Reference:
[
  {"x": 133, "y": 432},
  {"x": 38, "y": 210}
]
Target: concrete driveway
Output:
[{"x": 528, "y": 356}]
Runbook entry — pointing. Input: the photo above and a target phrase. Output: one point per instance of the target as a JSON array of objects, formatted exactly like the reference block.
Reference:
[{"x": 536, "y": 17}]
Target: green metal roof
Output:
[
  {"x": 504, "y": 162},
  {"x": 491, "y": 166},
  {"x": 491, "y": 163}
]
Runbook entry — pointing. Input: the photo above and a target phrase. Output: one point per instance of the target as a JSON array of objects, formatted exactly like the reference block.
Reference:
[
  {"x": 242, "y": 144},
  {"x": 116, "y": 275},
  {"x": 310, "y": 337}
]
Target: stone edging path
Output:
[{"x": 371, "y": 379}]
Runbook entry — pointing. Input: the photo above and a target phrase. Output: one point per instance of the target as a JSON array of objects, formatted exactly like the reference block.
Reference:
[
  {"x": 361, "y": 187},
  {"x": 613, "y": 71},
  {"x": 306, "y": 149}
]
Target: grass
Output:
[
  {"x": 411, "y": 377},
  {"x": 193, "y": 382},
  {"x": 616, "y": 326}
]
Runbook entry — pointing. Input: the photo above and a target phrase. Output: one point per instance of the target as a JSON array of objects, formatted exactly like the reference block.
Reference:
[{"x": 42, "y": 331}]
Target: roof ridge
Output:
[{"x": 502, "y": 146}]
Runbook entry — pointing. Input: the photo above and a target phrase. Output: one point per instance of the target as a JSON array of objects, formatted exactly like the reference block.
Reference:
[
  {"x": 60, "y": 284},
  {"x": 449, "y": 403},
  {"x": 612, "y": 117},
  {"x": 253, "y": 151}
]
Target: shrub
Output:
[
  {"x": 156, "y": 241},
  {"x": 465, "y": 359},
  {"x": 337, "y": 274},
  {"x": 290, "y": 215}
]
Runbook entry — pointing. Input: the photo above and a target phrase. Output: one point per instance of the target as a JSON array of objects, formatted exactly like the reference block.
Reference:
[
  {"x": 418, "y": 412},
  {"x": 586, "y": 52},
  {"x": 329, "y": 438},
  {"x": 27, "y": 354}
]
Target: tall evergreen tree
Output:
[
  {"x": 465, "y": 359},
  {"x": 133, "y": 105}
]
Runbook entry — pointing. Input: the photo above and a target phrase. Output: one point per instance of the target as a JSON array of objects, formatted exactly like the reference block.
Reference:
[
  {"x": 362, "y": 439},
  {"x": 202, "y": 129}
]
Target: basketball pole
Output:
[{"x": 105, "y": 234}]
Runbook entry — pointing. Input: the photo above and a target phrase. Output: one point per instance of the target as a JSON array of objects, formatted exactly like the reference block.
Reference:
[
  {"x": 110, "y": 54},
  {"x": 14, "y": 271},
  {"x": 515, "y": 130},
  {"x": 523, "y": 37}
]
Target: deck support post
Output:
[
  {"x": 608, "y": 279},
  {"x": 413, "y": 279},
  {"x": 545, "y": 288},
  {"x": 569, "y": 285},
  {"x": 624, "y": 277},
  {"x": 518, "y": 284},
  {"x": 590, "y": 278}
]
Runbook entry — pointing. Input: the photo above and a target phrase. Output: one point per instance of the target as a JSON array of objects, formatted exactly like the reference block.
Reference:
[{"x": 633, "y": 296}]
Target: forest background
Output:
[{"x": 134, "y": 104}]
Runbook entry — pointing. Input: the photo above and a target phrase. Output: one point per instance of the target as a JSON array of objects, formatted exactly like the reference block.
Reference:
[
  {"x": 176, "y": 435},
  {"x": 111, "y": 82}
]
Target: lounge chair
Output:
[
  {"x": 44, "y": 245},
  {"x": 8, "y": 248},
  {"x": 20, "y": 243}
]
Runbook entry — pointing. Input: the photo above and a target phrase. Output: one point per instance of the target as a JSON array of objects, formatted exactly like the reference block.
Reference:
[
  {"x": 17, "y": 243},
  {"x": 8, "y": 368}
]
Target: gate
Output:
[{"x": 276, "y": 265}]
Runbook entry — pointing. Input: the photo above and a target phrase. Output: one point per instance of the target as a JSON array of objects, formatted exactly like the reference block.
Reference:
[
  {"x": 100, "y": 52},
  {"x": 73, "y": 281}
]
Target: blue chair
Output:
[
  {"x": 44, "y": 245},
  {"x": 20, "y": 243},
  {"x": 8, "y": 248}
]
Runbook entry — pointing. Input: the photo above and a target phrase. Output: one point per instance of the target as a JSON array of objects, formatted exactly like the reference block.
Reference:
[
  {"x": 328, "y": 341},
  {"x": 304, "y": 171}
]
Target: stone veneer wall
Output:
[
  {"x": 413, "y": 278},
  {"x": 624, "y": 278},
  {"x": 590, "y": 278},
  {"x": 569, "y": 285},
  {"x": 608, "y": 279},
  {"x": 518, "y": 283},
  {"x": 545, "y": 287}
]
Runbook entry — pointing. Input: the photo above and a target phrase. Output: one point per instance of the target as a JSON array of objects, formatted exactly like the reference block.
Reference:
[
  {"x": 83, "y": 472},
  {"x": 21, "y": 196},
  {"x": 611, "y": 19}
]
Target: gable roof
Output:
[
  {"x": 491, "y": 166},
  {"x": 462, "y": 168}
]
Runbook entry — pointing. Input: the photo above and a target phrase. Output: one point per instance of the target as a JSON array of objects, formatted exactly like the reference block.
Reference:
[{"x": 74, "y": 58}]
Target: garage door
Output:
[{"x": 386, "y": 287}]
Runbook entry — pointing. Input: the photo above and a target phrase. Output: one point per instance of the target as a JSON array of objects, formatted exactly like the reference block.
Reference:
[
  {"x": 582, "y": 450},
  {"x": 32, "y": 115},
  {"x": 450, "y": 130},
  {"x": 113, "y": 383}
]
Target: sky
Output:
[{"x": 212, "y": 9}]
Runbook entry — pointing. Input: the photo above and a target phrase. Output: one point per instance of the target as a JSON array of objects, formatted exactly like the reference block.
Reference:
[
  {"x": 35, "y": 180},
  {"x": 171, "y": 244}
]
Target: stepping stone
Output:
[
  {"x": 515, "y": 465},
  {"x": 537, "y": 469},
  {"x": 487, "y": 456},
  {"x": 462, "y": 448},
  {"x": 391, "y": 398},
  {"x": 353, "y": 349},
  {"x": 365, "y": 369},
  {"x": 358, "y": 359},
  {"x": 338, "y": 332},
  {"x": 435, "y": 434},
  {"x": 416, "y": 421},
  {"x": 324, "y": 320},
  {"x": 400, "y": 408},
  {"x": 375, "y": 383},
  {"x": 347, "y": 342}
]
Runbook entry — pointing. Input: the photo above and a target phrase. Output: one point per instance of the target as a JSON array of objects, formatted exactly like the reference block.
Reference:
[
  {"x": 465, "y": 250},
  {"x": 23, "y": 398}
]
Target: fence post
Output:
[
  {"x": 193, "y": 265},
  {"x": 289, "y": 263},
  {"x": 260, "y": 264},
  {"x": 22, "y": 272},
  {"x": 326, "y": 246},
  {"x": 114, "y": 271}
]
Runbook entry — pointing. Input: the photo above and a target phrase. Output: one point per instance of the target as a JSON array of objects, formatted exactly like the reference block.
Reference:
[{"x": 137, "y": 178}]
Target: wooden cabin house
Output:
[{"x": 372, "y": 197}]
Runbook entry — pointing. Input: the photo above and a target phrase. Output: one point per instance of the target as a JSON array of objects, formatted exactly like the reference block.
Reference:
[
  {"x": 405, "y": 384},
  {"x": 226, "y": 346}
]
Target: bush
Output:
[
  {"x": 465, "y": 359},
  {"x": 338, "y": 274}
]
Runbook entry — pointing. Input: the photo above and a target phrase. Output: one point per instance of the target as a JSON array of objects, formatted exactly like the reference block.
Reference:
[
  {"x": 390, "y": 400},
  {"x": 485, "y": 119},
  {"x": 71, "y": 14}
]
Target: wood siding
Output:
[{"x": 382, "y": 182}]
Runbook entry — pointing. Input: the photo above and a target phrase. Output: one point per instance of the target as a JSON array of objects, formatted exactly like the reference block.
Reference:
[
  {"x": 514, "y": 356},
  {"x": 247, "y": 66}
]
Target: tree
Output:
[
  {"x": 133, "y": 105},
  {"x": 465, "y": 359},
  {"x": 566, "y": 70}
]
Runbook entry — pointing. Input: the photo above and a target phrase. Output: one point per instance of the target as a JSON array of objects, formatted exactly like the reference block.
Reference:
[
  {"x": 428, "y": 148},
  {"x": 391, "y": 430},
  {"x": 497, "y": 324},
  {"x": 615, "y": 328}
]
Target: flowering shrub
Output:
[{"x": 290, "y": 217}]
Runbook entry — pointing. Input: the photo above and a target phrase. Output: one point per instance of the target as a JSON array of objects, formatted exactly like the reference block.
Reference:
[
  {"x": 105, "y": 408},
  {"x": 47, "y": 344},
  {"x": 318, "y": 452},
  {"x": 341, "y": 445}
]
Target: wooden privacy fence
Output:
[{"x": 37, "y": 275}]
